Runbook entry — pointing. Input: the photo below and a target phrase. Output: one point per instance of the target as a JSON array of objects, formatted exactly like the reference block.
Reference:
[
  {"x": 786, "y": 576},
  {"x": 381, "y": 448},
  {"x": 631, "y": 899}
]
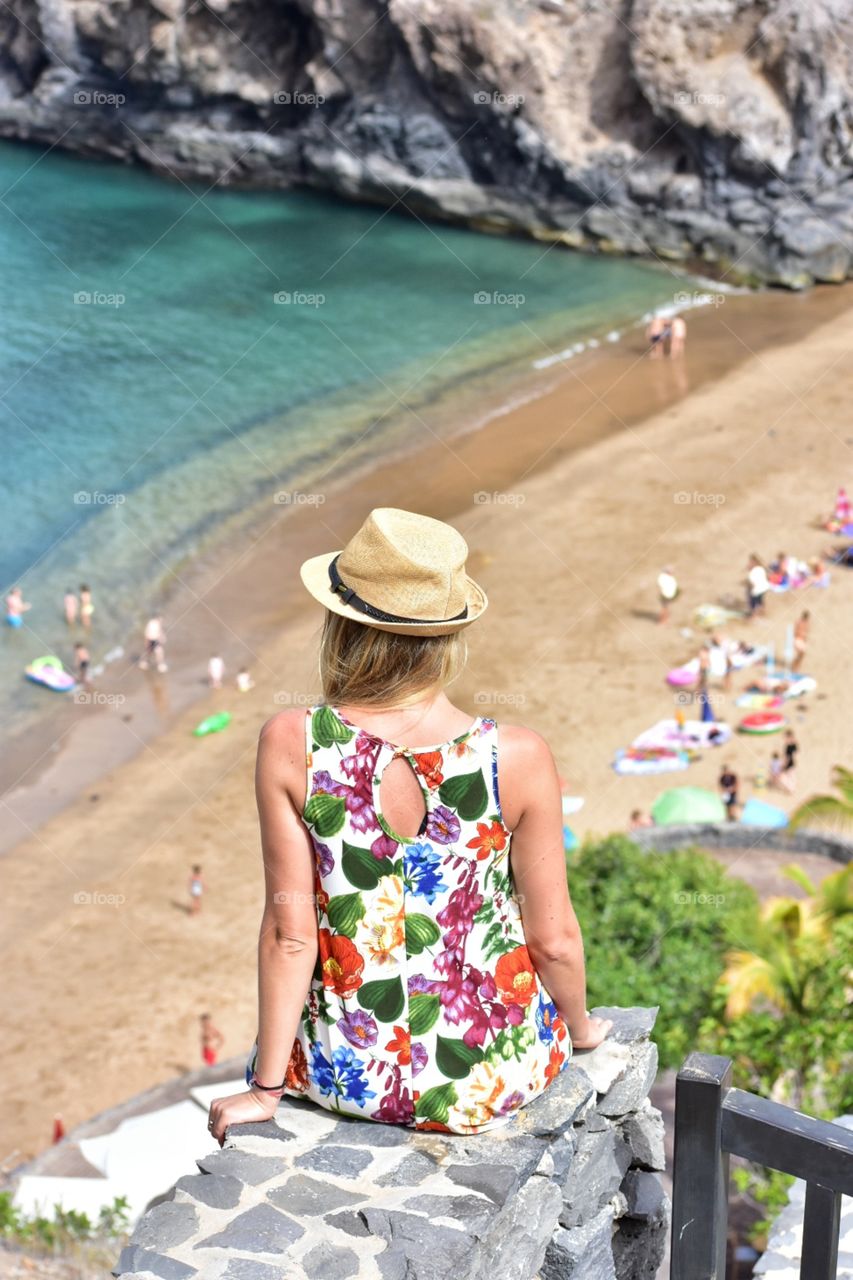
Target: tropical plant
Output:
[
  {"x": 793, "y": 945},
  {"x": 828, "y": 810},
  {"x": 657, "y": 929}
]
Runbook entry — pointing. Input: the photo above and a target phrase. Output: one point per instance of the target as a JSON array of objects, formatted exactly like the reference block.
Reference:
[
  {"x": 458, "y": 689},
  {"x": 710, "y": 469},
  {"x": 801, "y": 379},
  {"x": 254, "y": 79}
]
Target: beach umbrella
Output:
[
  {"x": 758, "y": 813},
  {"x": 570, "y": 840},
  {"x": 687, "y": 805}
]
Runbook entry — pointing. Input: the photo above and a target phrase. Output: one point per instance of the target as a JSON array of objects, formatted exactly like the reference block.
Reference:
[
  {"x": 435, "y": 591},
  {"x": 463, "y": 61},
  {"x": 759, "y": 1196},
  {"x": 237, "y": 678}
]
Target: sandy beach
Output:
[{"x": 571, "y": 504}]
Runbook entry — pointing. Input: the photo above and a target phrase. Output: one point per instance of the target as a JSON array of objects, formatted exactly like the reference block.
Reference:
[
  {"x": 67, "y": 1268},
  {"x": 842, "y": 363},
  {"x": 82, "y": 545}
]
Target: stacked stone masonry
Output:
[{"x": 568, "y": 1189}]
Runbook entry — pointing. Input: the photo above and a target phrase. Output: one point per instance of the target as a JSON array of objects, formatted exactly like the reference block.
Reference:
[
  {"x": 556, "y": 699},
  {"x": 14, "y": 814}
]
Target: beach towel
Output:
[
  {"x": 695, "y": 736},
  {"x": 634, "y": 760}
]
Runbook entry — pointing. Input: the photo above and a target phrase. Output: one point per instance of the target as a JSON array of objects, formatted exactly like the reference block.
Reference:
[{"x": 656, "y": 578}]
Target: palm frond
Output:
[{"x": 822, "y": 809}]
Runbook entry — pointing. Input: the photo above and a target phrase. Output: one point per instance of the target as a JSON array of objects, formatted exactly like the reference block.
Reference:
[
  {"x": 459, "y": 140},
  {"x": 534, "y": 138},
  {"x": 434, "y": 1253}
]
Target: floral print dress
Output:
[{"x": 424, "y": 1008}]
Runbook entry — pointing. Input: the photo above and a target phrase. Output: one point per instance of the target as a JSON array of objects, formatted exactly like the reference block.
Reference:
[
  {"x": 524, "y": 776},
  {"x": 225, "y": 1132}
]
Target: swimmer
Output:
[
  {"x": 16, "y": 607},
  {"x": 70, "y": 606},
  {"x": 87, "y": 608}
]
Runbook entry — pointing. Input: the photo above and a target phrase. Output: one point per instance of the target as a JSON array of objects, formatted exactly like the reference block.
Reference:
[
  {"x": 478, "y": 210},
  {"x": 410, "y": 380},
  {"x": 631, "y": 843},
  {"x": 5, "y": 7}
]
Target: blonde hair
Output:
[{"x": 362, "y": 666}]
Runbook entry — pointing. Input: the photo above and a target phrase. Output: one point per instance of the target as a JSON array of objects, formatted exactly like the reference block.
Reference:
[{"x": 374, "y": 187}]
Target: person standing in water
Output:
[
  {"x": 87, "y": 608},
  {"x": 155, "y": 645},
  {"x": 81, "y": 662},
  {"x": 456, "y": 1036},
  {"x": 677, "y": 337},
  {"x": 16, "y": 607},
  {"x": 655, "y": 336},
  {"x": 212, "y": 1040},
  {"x": 70, "y": 606}
]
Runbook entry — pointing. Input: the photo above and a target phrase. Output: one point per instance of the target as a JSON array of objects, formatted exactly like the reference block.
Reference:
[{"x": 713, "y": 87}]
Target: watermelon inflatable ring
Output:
[{"x": 763, "y": 722}]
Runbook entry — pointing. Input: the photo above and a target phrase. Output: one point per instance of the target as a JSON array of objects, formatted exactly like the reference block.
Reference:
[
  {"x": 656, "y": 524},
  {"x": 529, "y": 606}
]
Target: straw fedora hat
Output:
[{"x": 400, "y": 572}]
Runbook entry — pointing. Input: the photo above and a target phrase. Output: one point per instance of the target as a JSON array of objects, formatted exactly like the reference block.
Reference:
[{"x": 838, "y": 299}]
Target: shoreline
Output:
[{"x": 44, "y": 771}]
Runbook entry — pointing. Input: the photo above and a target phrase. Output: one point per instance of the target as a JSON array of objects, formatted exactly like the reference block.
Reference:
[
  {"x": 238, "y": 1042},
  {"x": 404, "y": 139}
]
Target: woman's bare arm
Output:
[
  {"x": 530, "y": 801},
  {"x": 287, "y": 945}
]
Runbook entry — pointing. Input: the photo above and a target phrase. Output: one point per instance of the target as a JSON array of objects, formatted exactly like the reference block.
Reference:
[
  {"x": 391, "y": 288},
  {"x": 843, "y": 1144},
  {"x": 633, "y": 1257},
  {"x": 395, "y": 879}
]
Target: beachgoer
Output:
[
  {"x": 667, "y": 591},
  {"x": 87, "y": 608},
  {"x": 777, "y": 773},
  {"x": 215, "y": 672},
  {"x": 843, "y": 510},
  {"x": 244, "y": 680},
  {"x": 397, "y": 599},
  {"x": 728, "y": 784},
  {"x": 704, "y": 667},
  {"x": 801, "y": 639},
  {"x": 155, "y": 644},
  {"x": 638, "y": 820},
  {"x": 789, "y": 767},
  {"x": 81, "y": 662},
  {"x": 70, "y": 606},
  {"x": 677, "y": 337},
  {"x": 757, "y": 586},
  {"x": 196, "y": 888},
  {"x": 818, "y": 574},
  {"x": 212, "y": 1040},
  {"x": 655, "y": 336},
  {"x": 16, "y": 607}
]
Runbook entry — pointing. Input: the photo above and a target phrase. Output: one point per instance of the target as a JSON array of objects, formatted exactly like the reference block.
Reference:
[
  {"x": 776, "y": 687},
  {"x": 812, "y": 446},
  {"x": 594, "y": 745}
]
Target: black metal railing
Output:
[{"x": 714, "y": 1121}]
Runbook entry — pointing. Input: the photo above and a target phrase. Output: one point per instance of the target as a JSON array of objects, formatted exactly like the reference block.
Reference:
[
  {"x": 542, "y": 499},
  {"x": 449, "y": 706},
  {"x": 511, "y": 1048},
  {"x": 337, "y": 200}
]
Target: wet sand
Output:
[{"x": 571, "y": 503}]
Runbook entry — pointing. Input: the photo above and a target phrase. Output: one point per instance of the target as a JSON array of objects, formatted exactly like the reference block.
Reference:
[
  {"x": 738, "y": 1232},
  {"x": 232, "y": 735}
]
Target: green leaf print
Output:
[
  {"x": 453, "y": 1057},
  {"x": 465, "y": 793},
  {"x": 344, "y": 912},
  {"x": 420, "y": 932},
  {"x": 436, "y": 1103},
  {"x": 423, "y": 1013},
  {"x": 328, "y": 728},
  {"x": 497, "y": 941},
  {"x": 362, "y": 869},
  {"x": 325, "y": 814},
  {"x": 384, "y": 998}
]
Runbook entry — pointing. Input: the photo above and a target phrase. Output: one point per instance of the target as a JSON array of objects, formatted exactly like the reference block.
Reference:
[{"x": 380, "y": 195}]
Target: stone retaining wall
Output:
[
  {"x": 567, "y": 1189},
  {"x": 732, "y": 835}
]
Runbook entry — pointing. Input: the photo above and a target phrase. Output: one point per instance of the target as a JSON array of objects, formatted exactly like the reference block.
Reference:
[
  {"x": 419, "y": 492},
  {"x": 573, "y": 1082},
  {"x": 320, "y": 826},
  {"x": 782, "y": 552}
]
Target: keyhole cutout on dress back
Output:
[{"x": 401, "y": 798}]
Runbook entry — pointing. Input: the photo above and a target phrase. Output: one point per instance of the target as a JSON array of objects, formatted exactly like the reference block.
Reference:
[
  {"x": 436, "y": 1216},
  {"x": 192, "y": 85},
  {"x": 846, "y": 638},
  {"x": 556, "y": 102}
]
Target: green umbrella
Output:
[{"x": 688, "y": 804}]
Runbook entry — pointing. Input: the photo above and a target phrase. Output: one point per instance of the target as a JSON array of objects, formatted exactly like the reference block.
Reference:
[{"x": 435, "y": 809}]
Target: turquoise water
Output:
[{"x": 154, "y": 390}]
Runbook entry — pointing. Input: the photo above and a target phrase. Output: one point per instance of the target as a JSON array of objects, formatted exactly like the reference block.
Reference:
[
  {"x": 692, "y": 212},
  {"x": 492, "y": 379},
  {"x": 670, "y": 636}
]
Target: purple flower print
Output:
[
  {"x": 324, "y": 782},
  {"x": 383, "y": 847},
  {"x": 419, "y": 1058},
  {"x": 324, "y": 858},
  {"x": 359, "y": 1028},
  {"x": 420, "y": 984},
  {"x": 443, "y": 825}
]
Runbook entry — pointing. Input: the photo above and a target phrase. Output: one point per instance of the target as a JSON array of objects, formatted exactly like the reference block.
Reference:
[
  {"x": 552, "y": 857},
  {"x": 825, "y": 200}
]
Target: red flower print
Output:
[
  {"x": 320, "y": 895},
  {"x": 429, "y": 767},
  {"x": 296, "y": 1076},
  {"x": 555, "y": 1064},
  {"x": 488, "y": 839},
  {"x": 516, "y": 977},
  {"x": 341, "y": 963},
  {"x": 401, "y": 1045}
]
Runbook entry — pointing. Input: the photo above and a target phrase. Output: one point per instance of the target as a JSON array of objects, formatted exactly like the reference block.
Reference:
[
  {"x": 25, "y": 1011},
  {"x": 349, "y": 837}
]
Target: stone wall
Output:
[
  {"x": 732, "y": 835},
  {"x": 567, "y": 1189}
]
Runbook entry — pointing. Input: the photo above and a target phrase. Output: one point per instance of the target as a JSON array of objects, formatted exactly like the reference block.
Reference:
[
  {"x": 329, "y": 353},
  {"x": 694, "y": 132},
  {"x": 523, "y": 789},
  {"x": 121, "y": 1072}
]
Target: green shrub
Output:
[{"x": 657, "y": 928}]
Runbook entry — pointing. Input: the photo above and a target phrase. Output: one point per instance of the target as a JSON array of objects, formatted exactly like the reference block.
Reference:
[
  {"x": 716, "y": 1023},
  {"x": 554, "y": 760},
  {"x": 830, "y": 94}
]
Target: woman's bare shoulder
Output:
[
  {"x": 282, "y": 738},
  {"x": 522, "y": 746}
]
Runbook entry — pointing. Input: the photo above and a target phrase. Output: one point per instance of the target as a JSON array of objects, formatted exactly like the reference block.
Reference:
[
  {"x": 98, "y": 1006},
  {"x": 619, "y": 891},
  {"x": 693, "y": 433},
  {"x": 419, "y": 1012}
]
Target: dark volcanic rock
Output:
[{"x": 567, "y": 120}]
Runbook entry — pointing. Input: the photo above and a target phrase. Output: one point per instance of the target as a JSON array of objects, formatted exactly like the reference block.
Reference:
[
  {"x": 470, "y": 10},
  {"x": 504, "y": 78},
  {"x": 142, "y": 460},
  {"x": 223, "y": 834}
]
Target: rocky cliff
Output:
[{"x": 716, "y": 131}]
